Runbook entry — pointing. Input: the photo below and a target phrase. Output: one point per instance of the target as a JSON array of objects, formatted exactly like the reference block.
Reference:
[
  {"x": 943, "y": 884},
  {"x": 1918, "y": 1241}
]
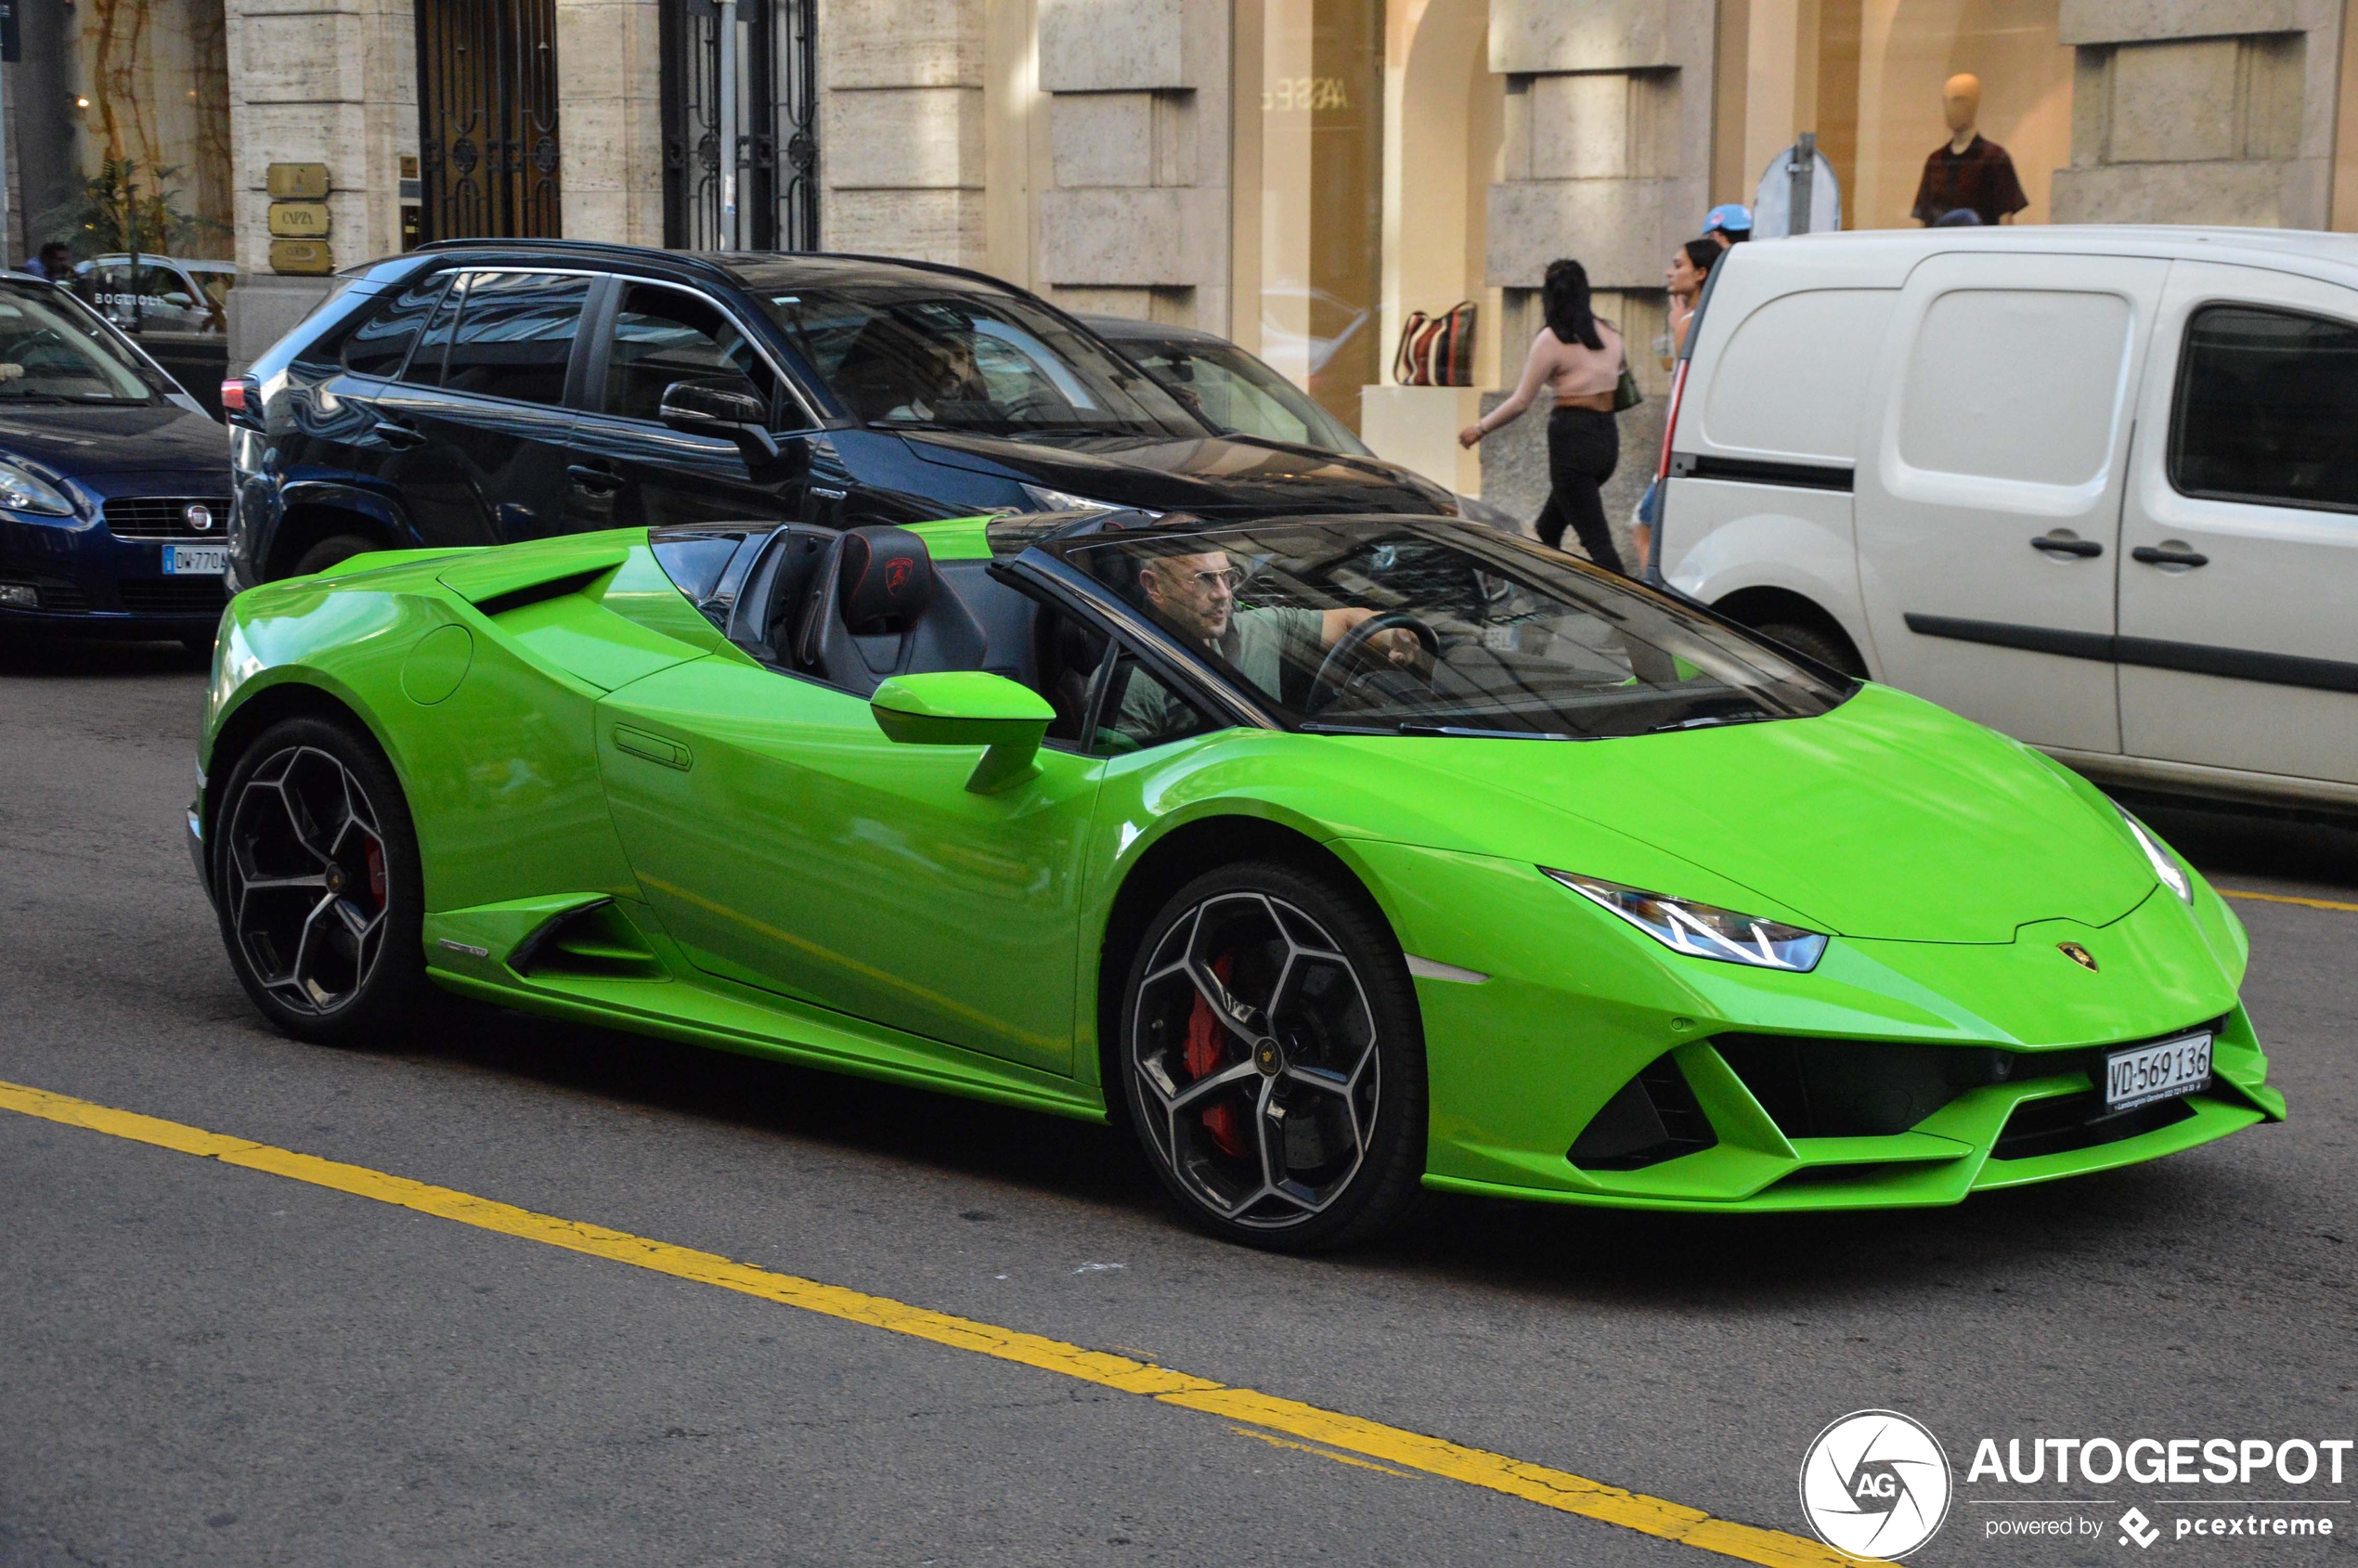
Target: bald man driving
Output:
[{"x": 1194, "y": 596}]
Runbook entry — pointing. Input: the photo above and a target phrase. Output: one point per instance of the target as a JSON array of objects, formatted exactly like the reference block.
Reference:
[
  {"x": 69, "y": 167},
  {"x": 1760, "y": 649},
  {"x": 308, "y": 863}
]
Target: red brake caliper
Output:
[
  {"x": 377, "y": 872},
  {"x": 1207, "y": 1042}
]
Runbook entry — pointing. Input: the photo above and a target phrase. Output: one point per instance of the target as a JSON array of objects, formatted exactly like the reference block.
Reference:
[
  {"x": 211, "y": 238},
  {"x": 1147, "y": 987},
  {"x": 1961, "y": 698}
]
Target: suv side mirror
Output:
[
  {"x": 728, "y": 406},
  {"x": 969, "y": 707}
]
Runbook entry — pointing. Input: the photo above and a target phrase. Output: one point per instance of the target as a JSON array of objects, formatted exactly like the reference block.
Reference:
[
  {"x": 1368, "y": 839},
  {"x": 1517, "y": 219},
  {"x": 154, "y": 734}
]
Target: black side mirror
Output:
[{"x": 728, "y": 406}]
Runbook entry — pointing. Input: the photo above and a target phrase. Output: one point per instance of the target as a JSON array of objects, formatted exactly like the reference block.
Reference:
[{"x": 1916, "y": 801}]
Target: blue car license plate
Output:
[{"x": 195, "y": 560}]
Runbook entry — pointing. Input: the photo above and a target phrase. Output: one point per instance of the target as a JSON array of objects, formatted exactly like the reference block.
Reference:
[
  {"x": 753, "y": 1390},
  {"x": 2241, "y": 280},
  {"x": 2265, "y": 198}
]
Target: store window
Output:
[
  {"x": 1873, "y": 79},
  {"x": 141, "y": 159},
  {"x": 1321, "y": 132}
]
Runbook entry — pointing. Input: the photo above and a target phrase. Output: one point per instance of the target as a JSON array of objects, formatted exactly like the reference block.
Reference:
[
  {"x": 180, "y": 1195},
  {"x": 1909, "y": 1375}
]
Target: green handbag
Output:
[{"x": 1626, "y": 395}]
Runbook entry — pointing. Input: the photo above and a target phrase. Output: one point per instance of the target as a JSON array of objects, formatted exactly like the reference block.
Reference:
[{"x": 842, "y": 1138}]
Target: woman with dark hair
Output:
[
  {"x": 1580, "y": 359},
  {"x": 1690, "y": 265}
]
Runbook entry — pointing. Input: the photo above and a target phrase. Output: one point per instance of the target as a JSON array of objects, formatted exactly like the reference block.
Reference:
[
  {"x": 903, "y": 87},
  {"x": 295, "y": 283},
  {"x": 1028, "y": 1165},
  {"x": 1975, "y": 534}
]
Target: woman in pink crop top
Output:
[{"x": 1579, "y": 357}]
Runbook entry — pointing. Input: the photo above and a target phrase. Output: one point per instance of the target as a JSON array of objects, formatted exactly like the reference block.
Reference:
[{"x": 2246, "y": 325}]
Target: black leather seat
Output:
[
  {"x": 876, "y": 609},
  {"x": 1065, "y": 655}
]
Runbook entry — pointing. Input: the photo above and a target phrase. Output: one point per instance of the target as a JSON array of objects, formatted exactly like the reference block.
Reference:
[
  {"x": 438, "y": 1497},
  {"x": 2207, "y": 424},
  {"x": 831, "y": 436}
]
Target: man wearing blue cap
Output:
[{"x": 1729, "y": 223}]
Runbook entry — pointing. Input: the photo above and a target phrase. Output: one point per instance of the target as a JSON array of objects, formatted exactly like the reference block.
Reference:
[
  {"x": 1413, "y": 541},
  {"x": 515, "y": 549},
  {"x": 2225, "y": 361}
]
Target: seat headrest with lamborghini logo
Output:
[{"x": 886, "y": 580}]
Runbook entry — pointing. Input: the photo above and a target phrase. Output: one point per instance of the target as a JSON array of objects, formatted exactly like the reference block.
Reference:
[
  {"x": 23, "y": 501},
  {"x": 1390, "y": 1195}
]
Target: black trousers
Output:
[{"x": 1583, "y": 446}]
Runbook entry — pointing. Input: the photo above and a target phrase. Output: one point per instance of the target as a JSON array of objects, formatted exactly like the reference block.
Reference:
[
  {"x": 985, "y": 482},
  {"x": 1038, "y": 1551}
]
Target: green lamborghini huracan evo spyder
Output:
[{"x": 1334, "y": 858}]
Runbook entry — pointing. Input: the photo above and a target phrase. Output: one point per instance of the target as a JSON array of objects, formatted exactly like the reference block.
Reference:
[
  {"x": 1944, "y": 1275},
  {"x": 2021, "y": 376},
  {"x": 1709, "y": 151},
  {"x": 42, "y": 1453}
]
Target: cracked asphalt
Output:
[{"x": 206, "y": 1364}]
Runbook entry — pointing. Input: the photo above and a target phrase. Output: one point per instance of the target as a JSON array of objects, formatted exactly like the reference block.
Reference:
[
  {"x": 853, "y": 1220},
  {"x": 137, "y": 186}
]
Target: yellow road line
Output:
[
  {"x": 1352, "y": 1434},
  {"x": 1274, "y": 1440},
  {"x": 2284, "y": 898}
]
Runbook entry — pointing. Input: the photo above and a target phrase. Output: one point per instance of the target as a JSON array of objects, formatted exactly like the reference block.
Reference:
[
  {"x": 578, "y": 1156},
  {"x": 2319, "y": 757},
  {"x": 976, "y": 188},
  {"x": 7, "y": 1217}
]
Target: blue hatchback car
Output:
[{"x": 114, "y": 486}]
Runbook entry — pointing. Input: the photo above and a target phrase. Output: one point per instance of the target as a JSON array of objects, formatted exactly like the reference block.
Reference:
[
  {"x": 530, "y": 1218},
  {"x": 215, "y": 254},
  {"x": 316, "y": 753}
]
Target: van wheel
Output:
[
  {"x": 1827, "y": 649},
  {"x": 334, "y": 551}
]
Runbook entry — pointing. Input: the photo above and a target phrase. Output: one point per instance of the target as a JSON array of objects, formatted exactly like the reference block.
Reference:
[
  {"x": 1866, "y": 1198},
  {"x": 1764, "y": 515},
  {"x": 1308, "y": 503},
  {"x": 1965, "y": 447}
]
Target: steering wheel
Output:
[{"x": 1351, "y": 648}]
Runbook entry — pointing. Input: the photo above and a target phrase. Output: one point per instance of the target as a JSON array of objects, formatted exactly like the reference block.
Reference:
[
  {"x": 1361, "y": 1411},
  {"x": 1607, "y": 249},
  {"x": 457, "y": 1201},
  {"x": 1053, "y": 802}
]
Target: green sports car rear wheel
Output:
[
  {"x": 317, "y": 878},
  {"x": 1274, "y": 1061}
]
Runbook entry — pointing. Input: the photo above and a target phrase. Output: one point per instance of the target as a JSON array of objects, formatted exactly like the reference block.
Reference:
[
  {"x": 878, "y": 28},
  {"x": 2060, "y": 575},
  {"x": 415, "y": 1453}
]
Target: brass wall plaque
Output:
[
  {"x": 298, "y": 182},
  {"x": 299, "y": 220},
  {"x": 302, "y": 256}
]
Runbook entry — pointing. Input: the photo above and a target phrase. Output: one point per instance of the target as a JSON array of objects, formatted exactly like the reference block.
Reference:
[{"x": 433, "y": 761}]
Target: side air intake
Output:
[
  {"x": 593, "y": 942},
  {"x": 1654, "y": 1118}
]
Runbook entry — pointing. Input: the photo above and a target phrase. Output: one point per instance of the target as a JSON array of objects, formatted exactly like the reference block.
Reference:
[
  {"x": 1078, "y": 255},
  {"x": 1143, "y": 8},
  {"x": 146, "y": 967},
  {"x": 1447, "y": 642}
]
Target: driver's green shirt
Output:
[{"x": 1259, "y": 644}]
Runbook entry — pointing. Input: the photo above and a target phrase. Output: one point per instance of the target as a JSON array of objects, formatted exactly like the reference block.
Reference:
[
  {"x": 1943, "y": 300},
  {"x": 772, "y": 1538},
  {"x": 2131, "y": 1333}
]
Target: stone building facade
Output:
[{"x": 1298, "y": 175}]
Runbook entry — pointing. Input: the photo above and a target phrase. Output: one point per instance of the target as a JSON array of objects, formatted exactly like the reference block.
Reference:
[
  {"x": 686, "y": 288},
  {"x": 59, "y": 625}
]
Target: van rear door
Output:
[
  {"x": 1988, "y": 496},
  {"x": 2239, "y": 642}
]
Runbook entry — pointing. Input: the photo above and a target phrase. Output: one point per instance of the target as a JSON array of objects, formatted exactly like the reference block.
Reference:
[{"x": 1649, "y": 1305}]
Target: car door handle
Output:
[
  {"x": 2060, "y": 543},
  {"x": 2168, "y": 555},
  {"x": 593, "y": 480},
  {"x": 654, "y": 748},
  {"x": 399, "y": 436}
]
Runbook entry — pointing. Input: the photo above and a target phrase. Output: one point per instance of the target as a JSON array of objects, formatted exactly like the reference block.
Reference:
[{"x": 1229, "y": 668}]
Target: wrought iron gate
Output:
[
  {"x": 741, "y": 75},
  {"x": 487, "y": 108}
]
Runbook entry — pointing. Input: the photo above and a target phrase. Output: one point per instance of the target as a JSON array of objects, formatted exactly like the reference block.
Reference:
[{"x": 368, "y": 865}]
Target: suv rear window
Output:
[
  {"x": 380, "y": 344},
  {"x": 516, "y": 336}
]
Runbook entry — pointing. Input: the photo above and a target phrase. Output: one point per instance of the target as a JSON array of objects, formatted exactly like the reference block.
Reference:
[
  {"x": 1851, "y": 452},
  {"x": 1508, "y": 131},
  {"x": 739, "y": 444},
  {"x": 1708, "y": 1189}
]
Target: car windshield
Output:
[
  {"x": 1377, "y": 625},
  {"x": 911, "y": 358},
  {"x": 1241, "y": 394},
  {"x": 51, "y": 350}
]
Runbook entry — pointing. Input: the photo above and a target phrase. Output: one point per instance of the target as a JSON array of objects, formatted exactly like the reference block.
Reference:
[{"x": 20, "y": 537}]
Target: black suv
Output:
[{"x": 482, "y": 392}]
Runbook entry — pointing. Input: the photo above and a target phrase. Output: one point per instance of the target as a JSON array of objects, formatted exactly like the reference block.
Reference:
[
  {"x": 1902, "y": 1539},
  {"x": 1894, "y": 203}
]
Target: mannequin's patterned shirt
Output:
[{"x": 1981, "y": 177}]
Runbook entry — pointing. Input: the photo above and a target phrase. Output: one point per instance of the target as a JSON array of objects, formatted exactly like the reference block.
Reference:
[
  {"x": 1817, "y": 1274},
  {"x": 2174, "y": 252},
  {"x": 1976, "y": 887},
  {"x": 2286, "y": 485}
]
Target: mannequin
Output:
[{"x": 1967, "y": 170}]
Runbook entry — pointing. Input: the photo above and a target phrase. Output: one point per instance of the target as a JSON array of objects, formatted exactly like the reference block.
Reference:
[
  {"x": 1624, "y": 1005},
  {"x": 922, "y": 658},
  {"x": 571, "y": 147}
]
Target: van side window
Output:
[
  {"x": 2267, "y": 410},
  {"x": 2015, "y": 383},
  {"x": 1792, "y": 378}
]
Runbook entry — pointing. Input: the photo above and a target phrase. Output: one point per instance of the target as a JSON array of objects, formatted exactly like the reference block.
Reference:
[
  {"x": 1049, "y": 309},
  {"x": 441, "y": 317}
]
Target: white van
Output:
[{"x": 2095, "y": 488}]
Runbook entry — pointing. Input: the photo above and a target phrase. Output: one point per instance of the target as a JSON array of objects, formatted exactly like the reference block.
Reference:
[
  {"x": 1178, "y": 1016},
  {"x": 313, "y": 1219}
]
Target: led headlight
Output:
[
  {"x": 1701, "y": 930},
  {"x": 19, "y": 491},
  {"x": 2173, "y": 875}
]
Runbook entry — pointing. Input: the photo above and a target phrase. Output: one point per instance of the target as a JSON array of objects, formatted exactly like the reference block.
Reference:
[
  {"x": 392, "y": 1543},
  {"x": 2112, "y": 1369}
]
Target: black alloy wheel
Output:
[
  {"x": 1272, "y": 1059},
  {"x": 315, "y": 876}
]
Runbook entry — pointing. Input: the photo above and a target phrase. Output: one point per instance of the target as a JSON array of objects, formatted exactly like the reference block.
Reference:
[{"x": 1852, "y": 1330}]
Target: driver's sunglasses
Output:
[{"x": 1205, "y": 582}]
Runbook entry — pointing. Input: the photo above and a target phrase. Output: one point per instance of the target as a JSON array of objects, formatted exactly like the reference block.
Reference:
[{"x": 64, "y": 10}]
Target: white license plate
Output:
[
  {"x": 2156, "y": 1072},
  {"x": 195, "y": 560}
]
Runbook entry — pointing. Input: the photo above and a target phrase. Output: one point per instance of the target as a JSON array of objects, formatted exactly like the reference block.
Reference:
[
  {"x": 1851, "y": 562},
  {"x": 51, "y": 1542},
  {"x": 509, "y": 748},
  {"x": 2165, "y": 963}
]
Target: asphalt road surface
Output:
[{"x": 204, "y": 1362}]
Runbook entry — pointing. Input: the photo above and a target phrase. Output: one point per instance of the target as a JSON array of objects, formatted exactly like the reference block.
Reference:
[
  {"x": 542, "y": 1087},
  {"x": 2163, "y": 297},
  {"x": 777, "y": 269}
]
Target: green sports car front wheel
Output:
[
  {"x": 1274, "y": 1061},
  {"x": 318, "y": 887}
]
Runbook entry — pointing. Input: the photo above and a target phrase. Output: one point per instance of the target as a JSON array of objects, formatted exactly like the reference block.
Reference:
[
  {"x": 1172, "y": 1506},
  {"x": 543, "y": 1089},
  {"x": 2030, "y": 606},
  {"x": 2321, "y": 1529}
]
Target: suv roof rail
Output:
[
  {"x": 578, "y": 247},
  {"x": 705, "y": 261}
]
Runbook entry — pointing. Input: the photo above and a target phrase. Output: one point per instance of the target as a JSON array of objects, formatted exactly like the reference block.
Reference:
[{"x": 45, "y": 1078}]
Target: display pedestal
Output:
[{"x": 1417, "y": 427}]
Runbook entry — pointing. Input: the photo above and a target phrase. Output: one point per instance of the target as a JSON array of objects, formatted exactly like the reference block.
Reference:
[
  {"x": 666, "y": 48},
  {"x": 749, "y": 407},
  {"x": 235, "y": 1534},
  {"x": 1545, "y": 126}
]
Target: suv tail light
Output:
[{"x": 241, "y": 401}]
